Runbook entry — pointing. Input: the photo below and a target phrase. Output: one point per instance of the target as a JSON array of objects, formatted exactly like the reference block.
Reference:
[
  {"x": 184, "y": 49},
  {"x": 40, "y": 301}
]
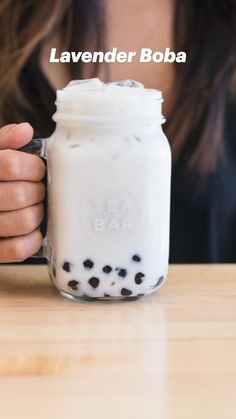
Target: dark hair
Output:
[{"x": 205, "y": 30}]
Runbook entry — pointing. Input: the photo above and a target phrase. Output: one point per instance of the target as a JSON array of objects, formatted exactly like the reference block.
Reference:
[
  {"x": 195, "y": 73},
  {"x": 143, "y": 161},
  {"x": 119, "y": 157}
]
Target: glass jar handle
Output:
[{"x": 38, "y": 147}]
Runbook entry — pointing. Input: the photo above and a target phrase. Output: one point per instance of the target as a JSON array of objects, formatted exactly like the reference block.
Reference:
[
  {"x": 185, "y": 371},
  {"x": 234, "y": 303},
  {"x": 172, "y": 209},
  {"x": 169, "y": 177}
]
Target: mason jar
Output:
[{"x": 109, "y": 170}]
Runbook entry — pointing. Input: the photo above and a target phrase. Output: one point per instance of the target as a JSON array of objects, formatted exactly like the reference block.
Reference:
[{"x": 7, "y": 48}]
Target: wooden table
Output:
[{"x": 169, "y": 356}]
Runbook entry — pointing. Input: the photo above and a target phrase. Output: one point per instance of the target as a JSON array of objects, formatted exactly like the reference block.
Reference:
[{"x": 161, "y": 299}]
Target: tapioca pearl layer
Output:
[{"x": 108, "y": 279}]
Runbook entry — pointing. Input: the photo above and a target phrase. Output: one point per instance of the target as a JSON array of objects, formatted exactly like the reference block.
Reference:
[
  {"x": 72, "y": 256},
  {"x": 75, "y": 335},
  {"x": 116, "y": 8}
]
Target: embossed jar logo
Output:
[{"x": 111, "y": 215}]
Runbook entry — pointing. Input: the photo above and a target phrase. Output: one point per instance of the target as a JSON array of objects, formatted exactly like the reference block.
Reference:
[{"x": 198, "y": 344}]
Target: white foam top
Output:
[{"x": 93, "y": 100}]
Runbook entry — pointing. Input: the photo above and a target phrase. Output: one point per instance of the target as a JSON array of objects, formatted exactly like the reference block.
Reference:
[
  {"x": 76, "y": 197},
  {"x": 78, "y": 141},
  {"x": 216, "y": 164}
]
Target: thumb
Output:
[{"x": 14, "y": 136}]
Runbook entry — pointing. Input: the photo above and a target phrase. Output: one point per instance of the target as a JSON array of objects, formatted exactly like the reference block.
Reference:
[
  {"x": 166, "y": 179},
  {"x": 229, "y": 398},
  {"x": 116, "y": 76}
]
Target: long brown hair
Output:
[{"x": 206, "y": 31}]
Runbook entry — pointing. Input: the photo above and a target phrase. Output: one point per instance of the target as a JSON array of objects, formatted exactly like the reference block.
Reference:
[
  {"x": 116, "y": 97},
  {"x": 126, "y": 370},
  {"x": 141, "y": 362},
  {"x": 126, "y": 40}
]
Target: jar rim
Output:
[{"x": 94, "y": 101}]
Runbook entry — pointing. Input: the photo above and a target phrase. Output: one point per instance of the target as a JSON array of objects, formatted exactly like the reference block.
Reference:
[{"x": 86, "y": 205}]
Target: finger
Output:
[
  {"x": 16, "y": 165},
  {"x": 15, "y": 135},
  {"x": 18, "y": 249},
  {"x": 20, "y": 194},
  {"x": 20, "y": 222}
]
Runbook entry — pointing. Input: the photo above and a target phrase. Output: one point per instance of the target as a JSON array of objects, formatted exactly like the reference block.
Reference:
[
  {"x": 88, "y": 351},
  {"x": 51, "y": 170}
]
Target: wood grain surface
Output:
[{"x": 168, "y": 356}]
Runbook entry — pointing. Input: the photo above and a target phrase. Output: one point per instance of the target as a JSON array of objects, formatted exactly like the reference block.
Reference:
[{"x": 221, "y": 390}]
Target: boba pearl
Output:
[
  {"x": 126, "y": 291},
  {"x": 73, "y": 285},
  {"x": 107, "y": 269},
  {"x": 160, "y": 280},
  {"x": 139, "y": 278},
  {"x": 88, "y": 264},
  {"x": 136, "y": 258},
  {"x": 67, "y": 266},
  {"x": 94, "y": 282},
  {"x": 122, "y": 272}
]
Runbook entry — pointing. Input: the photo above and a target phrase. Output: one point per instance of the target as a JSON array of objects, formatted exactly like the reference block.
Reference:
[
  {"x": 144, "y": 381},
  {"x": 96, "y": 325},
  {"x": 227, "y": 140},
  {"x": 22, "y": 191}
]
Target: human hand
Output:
[{"x": 21, "y": 195}]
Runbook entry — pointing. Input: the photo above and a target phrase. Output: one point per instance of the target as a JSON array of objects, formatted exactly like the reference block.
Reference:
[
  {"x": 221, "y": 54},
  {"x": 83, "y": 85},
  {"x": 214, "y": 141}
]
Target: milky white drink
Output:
[{"x": 109, "y": 191}]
